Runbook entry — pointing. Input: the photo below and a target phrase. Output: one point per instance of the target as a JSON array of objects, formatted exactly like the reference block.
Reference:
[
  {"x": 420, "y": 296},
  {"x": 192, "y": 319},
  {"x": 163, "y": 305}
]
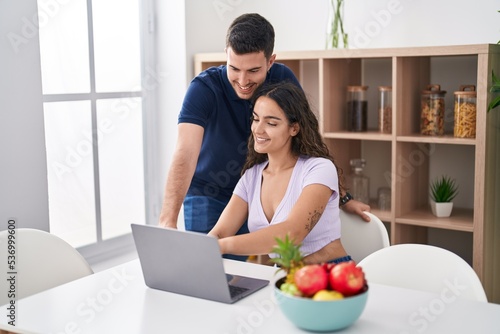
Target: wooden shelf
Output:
[
  {"x": 460, "y": 220},
  {"x": 446, "y": 139},
  {"x": 369, "y": 135},
  {"x": 405, "y": 155}
]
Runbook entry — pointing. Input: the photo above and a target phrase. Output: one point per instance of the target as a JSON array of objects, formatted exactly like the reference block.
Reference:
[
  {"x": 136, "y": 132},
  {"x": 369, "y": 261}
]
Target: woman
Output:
[{"x": 289, "y": 185}]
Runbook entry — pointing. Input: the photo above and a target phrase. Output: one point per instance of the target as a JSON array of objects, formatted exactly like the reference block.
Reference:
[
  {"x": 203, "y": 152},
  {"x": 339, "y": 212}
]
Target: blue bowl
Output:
[{"x": 321, "y": 316}]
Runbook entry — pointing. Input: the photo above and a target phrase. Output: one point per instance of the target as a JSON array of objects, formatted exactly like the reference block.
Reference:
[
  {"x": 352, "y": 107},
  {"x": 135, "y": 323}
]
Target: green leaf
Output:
[
  {"x": 495, "y": 80},
  {"x": 495, "y": 88},
  {"x": 494, "y": 103},
  {"x": 288, "y": 252},
  {"x": 443, "y": 190}
]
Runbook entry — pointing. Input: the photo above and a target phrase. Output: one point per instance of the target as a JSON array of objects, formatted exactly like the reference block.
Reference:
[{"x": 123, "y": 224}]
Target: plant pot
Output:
[{"x": 441, "y": 209}]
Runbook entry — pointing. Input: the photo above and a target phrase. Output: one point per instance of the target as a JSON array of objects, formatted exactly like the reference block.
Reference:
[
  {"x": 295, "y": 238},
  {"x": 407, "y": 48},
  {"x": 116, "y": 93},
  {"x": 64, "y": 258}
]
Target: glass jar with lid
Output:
[
  {"x": 384, "y": 199},
  {"x": 465, "y": 112},
  {"x": 432, "y": 116},
  {"x": 357, "y": 108},
  {"x": 385, "y": 109}
]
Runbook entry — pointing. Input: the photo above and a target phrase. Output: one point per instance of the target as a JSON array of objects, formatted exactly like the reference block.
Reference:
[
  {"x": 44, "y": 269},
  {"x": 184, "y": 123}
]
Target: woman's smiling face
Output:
[{"x": 270, "y": 128}]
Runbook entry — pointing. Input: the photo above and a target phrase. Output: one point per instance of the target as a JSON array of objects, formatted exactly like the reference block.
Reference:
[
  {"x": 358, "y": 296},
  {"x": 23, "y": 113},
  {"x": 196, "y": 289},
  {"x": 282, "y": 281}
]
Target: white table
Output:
[{"x": 118, "y": 301}]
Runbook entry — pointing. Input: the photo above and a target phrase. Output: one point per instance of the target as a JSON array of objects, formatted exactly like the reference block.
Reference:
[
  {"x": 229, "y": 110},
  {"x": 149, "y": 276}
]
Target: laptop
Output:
[{"x": 188, "y": 263}]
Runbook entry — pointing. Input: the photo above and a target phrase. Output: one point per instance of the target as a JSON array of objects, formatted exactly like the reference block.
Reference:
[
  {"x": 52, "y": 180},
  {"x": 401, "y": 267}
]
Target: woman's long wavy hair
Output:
[{"x": 308, "y": 141}]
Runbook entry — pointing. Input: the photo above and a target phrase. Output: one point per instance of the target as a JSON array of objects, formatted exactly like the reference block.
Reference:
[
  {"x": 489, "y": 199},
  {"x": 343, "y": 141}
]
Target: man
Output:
[{"x": 214, "y": 126}]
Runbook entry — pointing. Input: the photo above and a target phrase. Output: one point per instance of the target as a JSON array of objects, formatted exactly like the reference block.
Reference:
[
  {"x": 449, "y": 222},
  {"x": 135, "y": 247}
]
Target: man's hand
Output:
[
  {"x": 165, "y": 223},
  {"x": 357, "y": 208},
  {"x": 165, "y": 219}
]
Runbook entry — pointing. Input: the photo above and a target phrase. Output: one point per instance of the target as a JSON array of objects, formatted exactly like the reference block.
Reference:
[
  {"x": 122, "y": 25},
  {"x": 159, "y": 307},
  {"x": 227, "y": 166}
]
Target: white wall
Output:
[
  {"x": 186, "y": 27},
  {"x": 402, "y": 23},
  {"x": 298, "y": 24},
  {"x": 23, "y": 171},
  {"x": 171, "y": 57},
  {"x": 302, "y": 25}
]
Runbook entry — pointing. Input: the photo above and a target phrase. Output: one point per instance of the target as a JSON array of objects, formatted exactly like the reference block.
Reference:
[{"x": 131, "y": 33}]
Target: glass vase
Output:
[{"x": 336, "y": 36}]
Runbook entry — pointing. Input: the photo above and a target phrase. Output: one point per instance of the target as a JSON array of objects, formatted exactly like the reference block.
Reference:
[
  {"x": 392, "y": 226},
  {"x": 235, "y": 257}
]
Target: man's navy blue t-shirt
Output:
[{"x": 212, "y": 103}]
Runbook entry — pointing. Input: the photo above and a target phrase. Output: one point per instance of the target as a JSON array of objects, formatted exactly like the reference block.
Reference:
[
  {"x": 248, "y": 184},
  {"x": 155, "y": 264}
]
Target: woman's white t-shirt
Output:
[{"x": 307, "y": 171}]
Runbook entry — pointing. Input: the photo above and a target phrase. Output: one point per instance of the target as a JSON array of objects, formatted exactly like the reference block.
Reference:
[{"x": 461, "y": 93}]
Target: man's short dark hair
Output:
[{"x": 251, "y": 33}]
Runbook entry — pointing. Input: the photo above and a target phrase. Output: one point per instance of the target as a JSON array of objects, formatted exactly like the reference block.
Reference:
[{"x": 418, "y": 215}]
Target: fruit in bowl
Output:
[
  {"x": 323, "y": 313},
  {"x": 318, "y": 297}
]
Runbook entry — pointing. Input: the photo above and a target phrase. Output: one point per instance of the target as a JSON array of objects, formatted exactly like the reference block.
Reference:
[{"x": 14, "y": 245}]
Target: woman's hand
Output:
[
  {"x": 357, "y": 208},
  {"x": 222, "y": 246}
]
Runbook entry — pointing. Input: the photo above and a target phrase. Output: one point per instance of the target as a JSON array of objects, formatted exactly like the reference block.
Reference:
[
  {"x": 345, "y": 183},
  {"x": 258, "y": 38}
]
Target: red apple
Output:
[
  {"x": 311, "y": 279},
  {"x": 347, "y": 278},
  {"x": 328, "y": 266}
]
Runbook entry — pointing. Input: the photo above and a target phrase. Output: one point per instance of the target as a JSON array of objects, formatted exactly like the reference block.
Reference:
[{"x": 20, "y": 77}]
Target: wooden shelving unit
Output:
[{"x": 324, "y": 75}]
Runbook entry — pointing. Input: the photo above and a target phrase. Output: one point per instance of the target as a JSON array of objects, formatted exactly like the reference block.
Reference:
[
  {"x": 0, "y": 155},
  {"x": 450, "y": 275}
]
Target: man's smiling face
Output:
[{"x": 247, "y": 72}]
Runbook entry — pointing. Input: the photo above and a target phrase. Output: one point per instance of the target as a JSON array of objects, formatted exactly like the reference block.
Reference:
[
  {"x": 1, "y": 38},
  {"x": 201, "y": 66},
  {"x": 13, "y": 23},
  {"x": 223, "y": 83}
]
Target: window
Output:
[{"x": 93, "y": 112}]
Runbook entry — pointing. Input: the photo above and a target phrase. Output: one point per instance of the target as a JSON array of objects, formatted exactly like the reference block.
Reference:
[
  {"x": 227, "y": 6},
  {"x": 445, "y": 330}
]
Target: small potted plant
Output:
[{"x": 442, "y": 191}]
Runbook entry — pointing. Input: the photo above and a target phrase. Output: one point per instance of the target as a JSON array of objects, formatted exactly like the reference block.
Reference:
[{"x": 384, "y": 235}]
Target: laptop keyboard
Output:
[{"x": 236, "y": 290}]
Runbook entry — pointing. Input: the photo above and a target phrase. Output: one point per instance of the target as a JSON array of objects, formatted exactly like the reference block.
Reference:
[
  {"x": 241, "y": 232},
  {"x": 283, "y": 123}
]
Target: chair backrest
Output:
[
  {"x": 361, "y": 238},
  {"x": 424, "y": 267},
  {"x": 42, "y": 261}
]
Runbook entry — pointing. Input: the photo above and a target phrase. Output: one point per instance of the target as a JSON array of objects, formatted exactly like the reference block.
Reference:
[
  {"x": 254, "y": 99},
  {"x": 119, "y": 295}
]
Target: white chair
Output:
[
  {"x": 361, "y": 238},
  {"x": 424, "y": 267},
  {"x": 42, "y": 261}
]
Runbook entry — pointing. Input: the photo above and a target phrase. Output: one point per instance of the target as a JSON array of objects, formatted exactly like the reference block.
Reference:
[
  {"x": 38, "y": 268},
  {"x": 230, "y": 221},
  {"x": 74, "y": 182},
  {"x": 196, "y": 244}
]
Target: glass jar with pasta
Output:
[
  {"x": 465, "y": 112},
  {"x": 432, "y": 116},
  {"x": 385, "y": 109}
]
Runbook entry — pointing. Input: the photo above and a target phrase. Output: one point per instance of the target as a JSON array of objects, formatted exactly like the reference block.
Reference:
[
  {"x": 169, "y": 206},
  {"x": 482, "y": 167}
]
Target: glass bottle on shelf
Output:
[
  {"x": 357, "y": 108},
  {"x": 359, "y": 183},
  {"x": 385, "y": 109}
]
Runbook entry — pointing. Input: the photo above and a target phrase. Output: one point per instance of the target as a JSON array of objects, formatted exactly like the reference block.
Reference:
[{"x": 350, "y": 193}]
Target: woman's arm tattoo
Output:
[{"x": 313, "y": 219}]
